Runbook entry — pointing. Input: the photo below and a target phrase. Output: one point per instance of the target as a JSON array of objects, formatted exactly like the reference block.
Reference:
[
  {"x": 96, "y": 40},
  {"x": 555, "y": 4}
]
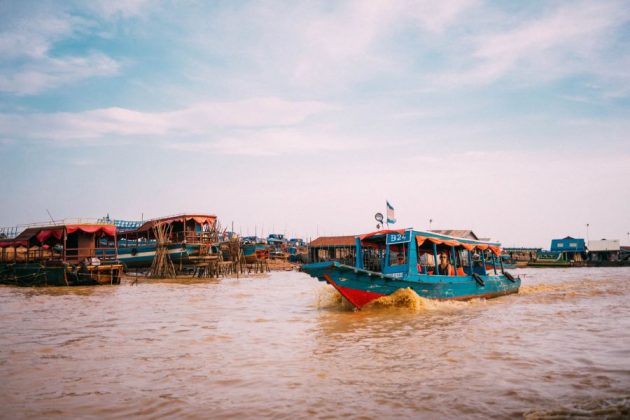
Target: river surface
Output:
[{"x": 286, "y": 346}]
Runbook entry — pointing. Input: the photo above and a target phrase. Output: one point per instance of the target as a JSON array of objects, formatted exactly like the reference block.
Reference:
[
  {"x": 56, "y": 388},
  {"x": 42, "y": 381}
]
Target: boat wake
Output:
[
  {"x": 405, "y": 299},
  {"x": 328, "y": 297},
  {"x": 408, "y": 299}
]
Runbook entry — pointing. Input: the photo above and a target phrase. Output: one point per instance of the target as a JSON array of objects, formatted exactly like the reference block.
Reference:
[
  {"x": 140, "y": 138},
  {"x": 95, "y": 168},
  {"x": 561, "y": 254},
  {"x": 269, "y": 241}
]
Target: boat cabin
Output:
[
  {"x": 70, "y": 244},
  {"x": 409, "y": 253},
  {"x": 183, "y": 228}
]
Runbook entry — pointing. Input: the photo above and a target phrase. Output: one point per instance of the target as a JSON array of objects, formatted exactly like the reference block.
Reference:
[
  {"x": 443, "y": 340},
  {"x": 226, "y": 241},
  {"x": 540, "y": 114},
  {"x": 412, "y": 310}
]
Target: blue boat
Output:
[
  {"x": 297, "y": 250},
  {"x": 277, "y": 245},
  {"x": 388, "y": 260},
  {"x": 254, "y": 249}
]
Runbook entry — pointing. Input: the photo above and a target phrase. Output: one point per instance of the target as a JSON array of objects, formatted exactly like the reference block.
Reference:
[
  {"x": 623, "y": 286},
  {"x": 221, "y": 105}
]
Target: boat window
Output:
[
  {"x": 398, "y": 254},
  {"x": 425, "y": 261},
  {"x": 372, "y": 258}
]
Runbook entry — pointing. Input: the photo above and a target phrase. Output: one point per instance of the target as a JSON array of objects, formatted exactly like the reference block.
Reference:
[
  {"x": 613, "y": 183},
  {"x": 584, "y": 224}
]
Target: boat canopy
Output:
[
  {"x": 439, "y": 239},
  {"x": 201, "y": 219},
  {"x": 42, "y": 234}
]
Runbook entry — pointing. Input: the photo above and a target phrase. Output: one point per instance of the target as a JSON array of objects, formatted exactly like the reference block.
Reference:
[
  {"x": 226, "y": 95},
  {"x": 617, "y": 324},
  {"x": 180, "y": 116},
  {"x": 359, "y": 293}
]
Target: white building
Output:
[{"x": 604, "y": 250}]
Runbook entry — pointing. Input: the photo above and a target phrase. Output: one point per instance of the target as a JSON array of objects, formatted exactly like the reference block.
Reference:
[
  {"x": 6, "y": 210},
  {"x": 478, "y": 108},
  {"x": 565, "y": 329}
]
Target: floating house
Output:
[
  {"x": 604, "y": 250},
  {"x": 572, "y": 249},
  {"x": 565, "y": 252},
  {"x": 61, "y": 255},
  {"x": 332, "y": 248}
]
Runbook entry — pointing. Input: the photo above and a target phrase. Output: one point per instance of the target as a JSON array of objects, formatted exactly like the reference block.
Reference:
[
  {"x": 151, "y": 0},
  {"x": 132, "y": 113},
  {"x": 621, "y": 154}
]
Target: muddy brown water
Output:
[{"x": 286, "y": 346}]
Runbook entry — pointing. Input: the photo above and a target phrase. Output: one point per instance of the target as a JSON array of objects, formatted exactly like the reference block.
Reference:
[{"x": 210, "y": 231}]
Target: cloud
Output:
[
  {"x": 354, "y": 42},
  {"x": 47, "y": 72},
  {"x": 270, "y": 142},
  {"x": 119, "y": 8},
  {"x": 568, "y": 40},
  {"x": 315, "y": 46},
  {"x": 200, "y": 118},
  {"x": 30, "y": 65}
]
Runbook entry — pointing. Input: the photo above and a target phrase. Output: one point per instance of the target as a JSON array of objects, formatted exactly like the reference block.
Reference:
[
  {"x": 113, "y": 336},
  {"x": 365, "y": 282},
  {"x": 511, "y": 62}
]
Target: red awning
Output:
[
  {"x": 47, "y": 233},
  {"x": 109, "y": 230},
  {"x": 57, "y": 233}
]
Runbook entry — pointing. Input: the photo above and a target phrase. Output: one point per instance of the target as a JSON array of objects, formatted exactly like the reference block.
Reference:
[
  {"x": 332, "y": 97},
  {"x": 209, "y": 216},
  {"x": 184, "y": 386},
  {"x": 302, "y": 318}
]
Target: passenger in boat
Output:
[{"x": 445, "y": 267}]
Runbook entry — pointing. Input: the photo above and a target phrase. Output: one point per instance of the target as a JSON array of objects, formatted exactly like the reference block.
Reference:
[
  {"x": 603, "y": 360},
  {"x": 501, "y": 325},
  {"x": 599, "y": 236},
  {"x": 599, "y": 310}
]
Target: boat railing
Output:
[
  {"x": 11, "y": 232},
  {"x": 193, "y": 237},
  {"x": 372, "y": 261},
  {"x": 43, "y": 254}
]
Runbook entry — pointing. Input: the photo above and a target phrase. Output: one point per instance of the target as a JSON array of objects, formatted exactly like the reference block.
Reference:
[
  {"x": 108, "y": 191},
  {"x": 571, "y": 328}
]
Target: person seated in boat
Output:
[{"x": 444, "y": 267}]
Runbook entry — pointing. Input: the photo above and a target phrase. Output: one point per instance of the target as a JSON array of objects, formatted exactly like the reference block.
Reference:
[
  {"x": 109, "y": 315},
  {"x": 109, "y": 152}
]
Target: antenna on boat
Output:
[{"x": 49, "y": 215}]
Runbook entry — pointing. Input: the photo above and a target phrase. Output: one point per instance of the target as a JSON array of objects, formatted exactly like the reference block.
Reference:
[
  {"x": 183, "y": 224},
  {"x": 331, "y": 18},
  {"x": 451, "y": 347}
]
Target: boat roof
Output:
[
  {"x": 42, "y": 233},
  {"x": 459, "y": 233},
  {"x": 427, "y": 234},
  {"x": 333, "y": 241},
  {"x": 209, "y": 219}
]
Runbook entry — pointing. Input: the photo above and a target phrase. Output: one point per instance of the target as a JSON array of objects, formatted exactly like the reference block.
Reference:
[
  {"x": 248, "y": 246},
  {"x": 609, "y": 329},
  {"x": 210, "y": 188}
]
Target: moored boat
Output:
[
  {"x": 277, "y": 246},
  {"x": 190, "y": 237},
  {"x": 254, "y": 249},
  {"x": 61, "y": 255},
  {"x": 297, "y": 250},
  {"x": 388, "y": 260}
]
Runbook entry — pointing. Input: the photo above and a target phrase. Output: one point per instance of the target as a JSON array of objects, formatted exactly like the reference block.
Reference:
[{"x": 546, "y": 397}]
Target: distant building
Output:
[
  {"x": 604, "y": 250},
  {"x": 571, "y": 249},
  {"x": 332, "y": 248}
]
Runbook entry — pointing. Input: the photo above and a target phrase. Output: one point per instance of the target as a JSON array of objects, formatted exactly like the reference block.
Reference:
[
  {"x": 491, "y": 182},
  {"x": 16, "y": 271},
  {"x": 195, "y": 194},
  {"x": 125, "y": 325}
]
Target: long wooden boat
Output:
[
  {"x": 190, "y": 236},
  {"x": 61, "y": 255},
  {"x": 388, "y": 260}
]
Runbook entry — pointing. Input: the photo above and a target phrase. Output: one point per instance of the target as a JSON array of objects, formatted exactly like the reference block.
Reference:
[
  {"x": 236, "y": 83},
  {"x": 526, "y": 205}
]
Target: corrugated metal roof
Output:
[
  {"x": 468, "y": 234},
  {"x": 324, "y": 241}
]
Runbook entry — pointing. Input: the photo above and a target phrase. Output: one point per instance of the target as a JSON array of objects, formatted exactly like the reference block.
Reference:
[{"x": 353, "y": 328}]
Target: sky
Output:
[{"x": 508, "y": 118}]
